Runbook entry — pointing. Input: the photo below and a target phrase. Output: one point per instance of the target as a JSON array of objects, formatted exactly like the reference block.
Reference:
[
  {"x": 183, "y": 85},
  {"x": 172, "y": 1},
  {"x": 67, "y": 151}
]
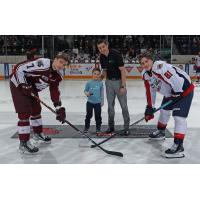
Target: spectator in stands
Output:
[
  {"x": 129, "y": 45},
  {"x": 193, "y": 60},
  {"x": 181, "y": 67},
  {"x": 150, "y": 51},
  {"x": 1, "y": 45},
  {"x": 31, "y": 54},
  {"x": 131, "y": 53}
]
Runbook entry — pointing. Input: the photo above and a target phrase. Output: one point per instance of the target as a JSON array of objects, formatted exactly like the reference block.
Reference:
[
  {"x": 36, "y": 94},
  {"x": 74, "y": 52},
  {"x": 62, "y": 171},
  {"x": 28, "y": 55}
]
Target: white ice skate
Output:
[
  {"x": 158, "y": 135},
  {"x": 41, "y": 139},
  {"x": 176, "y": 151}
]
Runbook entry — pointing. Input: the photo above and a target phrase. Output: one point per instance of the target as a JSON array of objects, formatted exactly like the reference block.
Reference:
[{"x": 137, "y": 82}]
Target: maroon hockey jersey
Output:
[{"x": 39, "y": 74}]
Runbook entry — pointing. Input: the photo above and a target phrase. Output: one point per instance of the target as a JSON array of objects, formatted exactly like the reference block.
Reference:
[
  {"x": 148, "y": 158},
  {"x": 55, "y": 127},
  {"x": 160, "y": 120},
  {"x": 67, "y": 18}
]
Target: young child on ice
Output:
[{"x": 95, "y": 99}]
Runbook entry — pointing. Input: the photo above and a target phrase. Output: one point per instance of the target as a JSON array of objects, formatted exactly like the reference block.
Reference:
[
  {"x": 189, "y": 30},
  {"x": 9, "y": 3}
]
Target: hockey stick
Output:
[
  {"x": 137, "y": 122},
  {"x": 184, "y": 94},
  {"x": 114, "y": 153}
]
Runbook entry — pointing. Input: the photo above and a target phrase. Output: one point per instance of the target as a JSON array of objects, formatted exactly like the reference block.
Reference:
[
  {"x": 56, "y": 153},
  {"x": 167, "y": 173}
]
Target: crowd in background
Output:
[
  {"x": 18, "y": 45},
  {"x": 83, "y": 49},
  {"x": 186, "y": 45},
  {"x": 129, "y": 46}
]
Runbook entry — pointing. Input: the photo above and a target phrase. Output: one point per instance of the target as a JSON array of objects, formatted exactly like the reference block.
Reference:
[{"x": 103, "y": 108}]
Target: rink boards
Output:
[{"x": 84, "y": 71}]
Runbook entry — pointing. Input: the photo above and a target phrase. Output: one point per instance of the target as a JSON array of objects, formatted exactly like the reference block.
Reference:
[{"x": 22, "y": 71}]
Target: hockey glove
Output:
[
  {"x": 149, "y": 113},
  {"x": 26, "y": 89},
  {"x": 60, "y": 114}
]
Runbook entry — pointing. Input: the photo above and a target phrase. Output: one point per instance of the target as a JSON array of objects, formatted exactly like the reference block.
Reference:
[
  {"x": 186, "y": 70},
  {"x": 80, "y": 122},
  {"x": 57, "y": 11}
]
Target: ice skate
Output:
[
  {"x": 27, "y": 148},
  {"x": 158, "y": 135}
]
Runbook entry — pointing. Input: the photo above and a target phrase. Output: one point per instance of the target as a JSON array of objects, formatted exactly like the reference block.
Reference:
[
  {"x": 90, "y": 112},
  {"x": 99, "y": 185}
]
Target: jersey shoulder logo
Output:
[{"x": 168, "y": 74}]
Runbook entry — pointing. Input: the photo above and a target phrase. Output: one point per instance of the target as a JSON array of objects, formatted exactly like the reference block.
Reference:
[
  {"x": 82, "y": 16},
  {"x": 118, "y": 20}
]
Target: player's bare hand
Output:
[{"x": 88, "y": 94}]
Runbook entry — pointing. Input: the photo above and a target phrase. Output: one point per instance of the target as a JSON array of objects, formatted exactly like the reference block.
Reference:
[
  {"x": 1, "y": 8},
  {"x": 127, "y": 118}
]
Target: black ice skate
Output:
[
  {"x": 176, "y": 151},
  {"x": 41, "y": 138},
  {"x": 27, "y": 148},
  {"x": 158, "y": 135}
]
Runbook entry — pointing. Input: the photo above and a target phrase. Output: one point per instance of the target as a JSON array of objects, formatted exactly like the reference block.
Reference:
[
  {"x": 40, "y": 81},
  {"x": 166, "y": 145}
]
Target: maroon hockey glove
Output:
[
  {"x": 26, "y": 89},
  {"x": 61, "y": 115},
  {"x": 149, "y": 113}
]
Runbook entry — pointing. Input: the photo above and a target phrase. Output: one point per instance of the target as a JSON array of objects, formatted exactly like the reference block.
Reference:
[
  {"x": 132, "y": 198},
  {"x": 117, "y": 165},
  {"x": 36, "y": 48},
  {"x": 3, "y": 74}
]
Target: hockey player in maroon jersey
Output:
[
  {"x": 32, "y": 77},
  {"x": 174, "y": 84}
]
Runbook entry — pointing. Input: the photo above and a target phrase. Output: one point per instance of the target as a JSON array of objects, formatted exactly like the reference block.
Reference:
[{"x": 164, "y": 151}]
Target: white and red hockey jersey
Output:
[
  {"x": 165, "y": 79},
  {"x": 39, "y": 74}
]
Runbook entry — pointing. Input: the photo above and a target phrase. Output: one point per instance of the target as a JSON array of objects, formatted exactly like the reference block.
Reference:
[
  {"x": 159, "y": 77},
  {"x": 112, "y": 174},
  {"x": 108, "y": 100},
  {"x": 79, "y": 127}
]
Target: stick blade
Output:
[{"x": 115, "y": 153}]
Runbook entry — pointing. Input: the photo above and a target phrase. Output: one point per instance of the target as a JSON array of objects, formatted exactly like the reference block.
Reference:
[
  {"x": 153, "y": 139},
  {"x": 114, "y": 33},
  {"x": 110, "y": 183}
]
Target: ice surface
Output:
[{"x": 68, "y": 150}]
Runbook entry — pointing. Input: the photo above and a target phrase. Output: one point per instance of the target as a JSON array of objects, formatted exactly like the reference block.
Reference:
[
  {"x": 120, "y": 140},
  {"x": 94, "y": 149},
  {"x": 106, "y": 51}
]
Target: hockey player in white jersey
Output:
[{"x": 172, "y": 83}]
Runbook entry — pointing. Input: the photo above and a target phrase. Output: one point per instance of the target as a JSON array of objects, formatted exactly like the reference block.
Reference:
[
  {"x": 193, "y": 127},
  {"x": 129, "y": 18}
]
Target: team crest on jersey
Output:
[
  {"x": 41, "y": 85},
  {"x": 155, "y": 83}
]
